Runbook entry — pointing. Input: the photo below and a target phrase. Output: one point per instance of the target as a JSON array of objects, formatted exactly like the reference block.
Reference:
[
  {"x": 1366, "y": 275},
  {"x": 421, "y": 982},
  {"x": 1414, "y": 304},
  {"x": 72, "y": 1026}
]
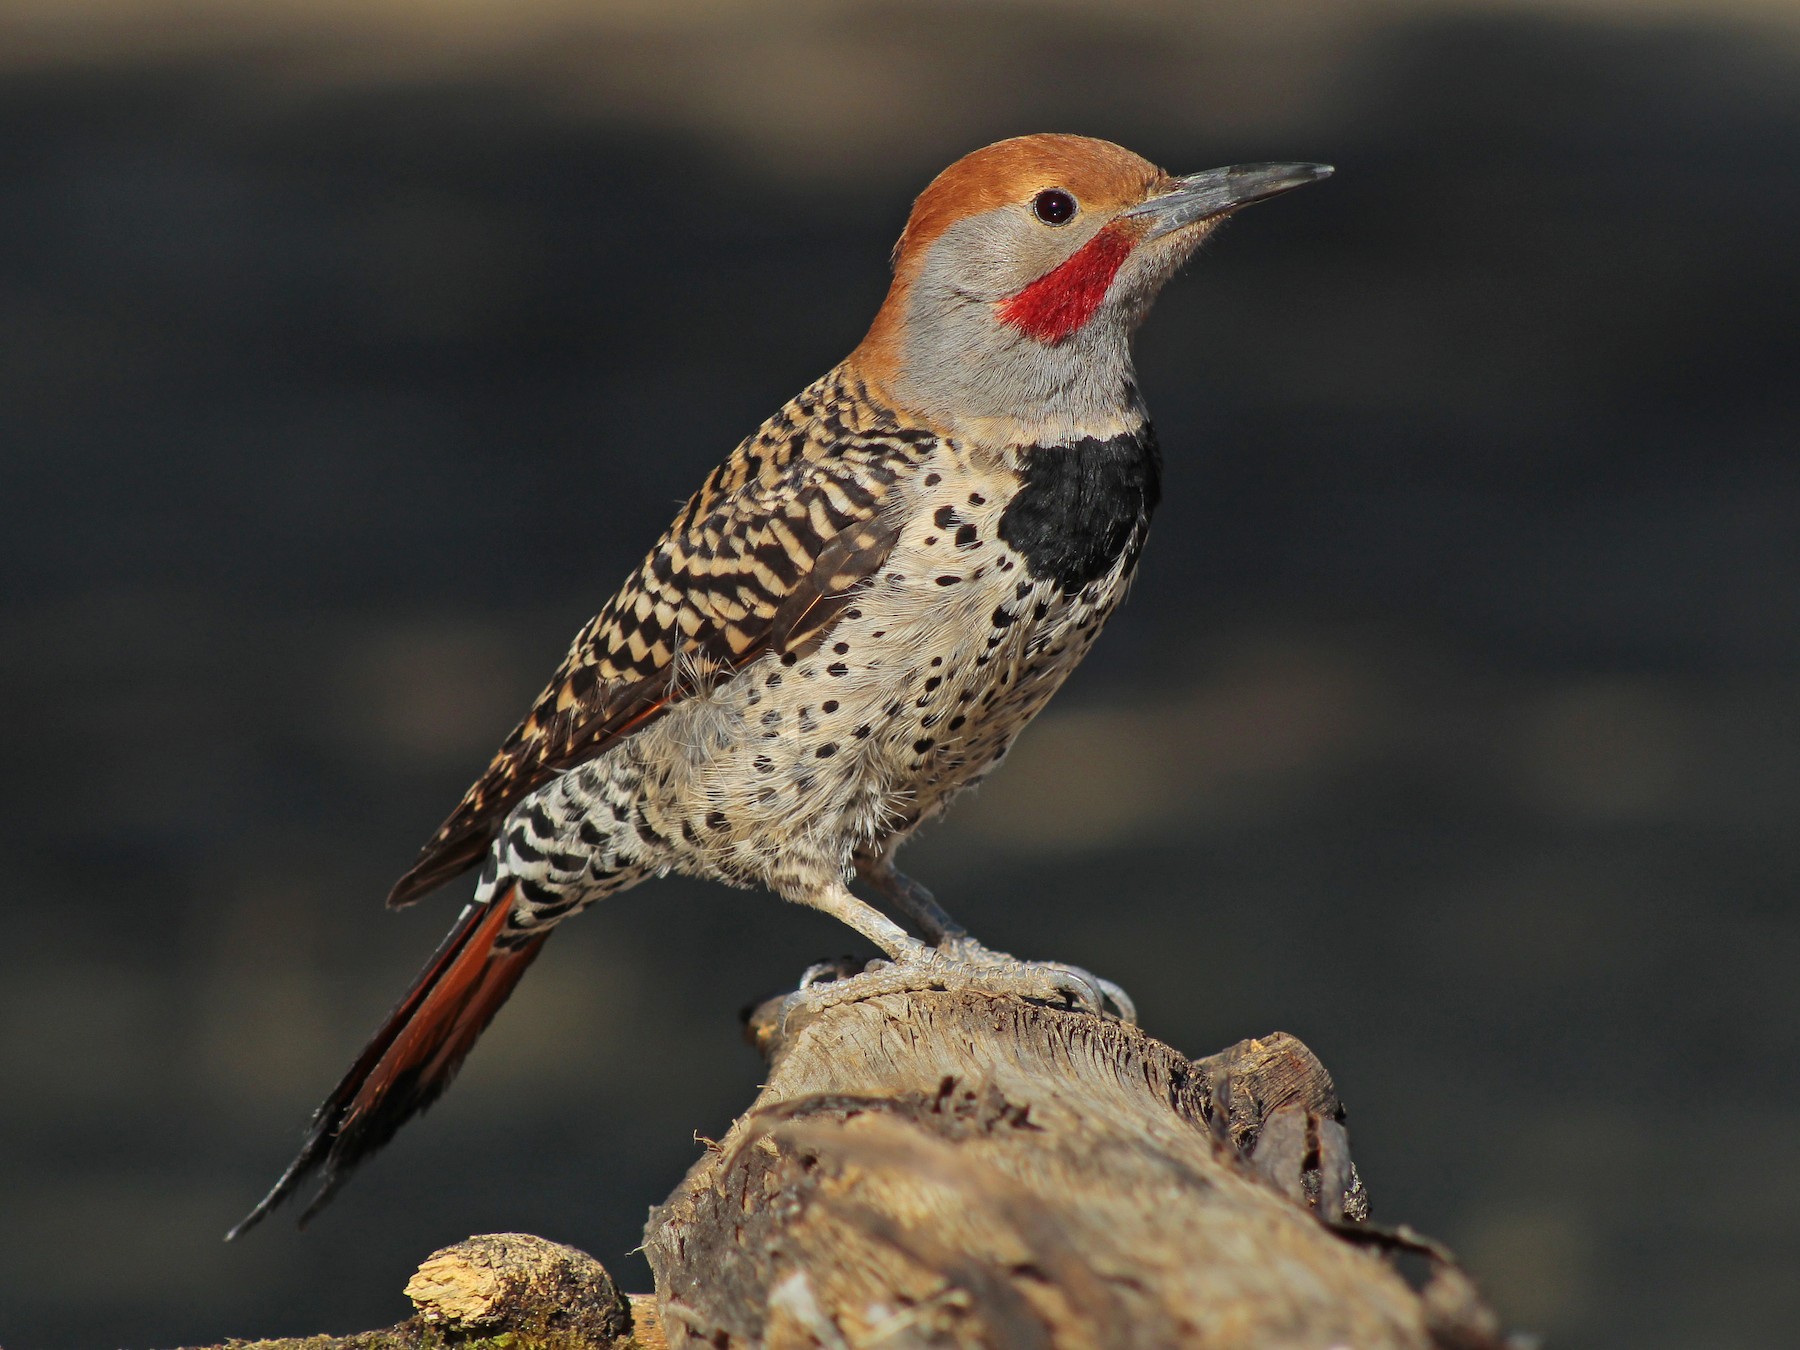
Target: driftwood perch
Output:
[{"x": 971, "y": 1169}]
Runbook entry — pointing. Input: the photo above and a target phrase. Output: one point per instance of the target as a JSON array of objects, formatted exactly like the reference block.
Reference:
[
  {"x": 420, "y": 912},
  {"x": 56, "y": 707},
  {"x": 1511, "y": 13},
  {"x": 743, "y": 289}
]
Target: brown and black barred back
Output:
[{"x": 760, "y": 559}]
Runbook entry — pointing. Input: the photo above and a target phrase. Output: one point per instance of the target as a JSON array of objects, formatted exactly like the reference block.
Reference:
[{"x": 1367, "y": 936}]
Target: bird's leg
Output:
[
  {"x": 835, "y": 899},
  {"x": 952, "y": 940},
  {"x": 912, "y": 900},
  {"x": 956, "y": 962}
]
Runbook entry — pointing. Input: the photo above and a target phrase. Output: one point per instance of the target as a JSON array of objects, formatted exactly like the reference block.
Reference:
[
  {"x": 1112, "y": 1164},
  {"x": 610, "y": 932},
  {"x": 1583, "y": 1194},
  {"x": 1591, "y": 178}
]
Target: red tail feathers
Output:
[{"x": 411, "y": 1059}]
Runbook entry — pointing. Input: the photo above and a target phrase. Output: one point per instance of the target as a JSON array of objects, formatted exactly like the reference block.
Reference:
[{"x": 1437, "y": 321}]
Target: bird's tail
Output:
[{"x": 412, "y": 1058}]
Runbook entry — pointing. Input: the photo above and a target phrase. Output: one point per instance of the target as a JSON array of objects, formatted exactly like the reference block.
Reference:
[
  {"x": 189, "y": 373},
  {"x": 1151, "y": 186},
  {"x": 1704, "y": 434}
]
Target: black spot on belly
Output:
[{"x": 1083, "y": 506}]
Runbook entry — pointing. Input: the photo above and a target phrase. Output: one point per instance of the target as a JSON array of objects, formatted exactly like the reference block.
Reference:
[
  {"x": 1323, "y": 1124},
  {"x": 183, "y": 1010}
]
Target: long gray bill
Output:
[{"x": 1203, "y": 195}]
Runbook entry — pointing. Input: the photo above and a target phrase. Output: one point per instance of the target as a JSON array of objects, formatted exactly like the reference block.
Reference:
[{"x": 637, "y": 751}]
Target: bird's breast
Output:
[
  {"x": 920, "y": 684},
  {"x": 997, "y": 584}
]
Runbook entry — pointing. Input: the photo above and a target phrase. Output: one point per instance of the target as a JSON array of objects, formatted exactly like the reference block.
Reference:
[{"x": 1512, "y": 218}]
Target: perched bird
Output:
[{"x": 847, "y": 624}]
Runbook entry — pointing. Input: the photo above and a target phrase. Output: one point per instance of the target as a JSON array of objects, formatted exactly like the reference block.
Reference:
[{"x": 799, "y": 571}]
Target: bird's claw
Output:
[
  {"x": 1123, "y": 1006},
  {"x": 836, "y": 968},
  {"x": 1081, "y": 986}
]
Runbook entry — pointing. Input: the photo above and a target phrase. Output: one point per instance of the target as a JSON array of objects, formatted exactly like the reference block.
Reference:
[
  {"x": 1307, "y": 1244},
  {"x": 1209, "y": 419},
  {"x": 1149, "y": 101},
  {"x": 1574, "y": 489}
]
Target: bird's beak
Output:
[{"x": 1202, "y": 196}]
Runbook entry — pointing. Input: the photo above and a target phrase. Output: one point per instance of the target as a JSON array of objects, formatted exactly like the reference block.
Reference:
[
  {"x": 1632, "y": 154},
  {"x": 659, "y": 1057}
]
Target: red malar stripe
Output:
[{"x": 1065, "y": 298}]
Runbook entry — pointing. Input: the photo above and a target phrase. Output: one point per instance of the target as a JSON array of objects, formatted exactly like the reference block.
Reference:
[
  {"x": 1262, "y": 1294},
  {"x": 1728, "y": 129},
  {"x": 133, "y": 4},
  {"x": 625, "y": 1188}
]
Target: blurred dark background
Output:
[{"x": 350, "y": 354}]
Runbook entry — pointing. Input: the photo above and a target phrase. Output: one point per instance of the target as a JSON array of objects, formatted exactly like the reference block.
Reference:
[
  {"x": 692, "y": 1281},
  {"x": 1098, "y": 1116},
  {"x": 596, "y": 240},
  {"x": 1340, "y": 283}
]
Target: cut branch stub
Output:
[
  {"x": 504, "y": 1291},
  {"x": 516, "y": 1282}
]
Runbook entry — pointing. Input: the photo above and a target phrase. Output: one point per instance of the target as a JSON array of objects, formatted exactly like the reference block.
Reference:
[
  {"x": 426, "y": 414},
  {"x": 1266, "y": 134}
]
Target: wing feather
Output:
[{"x": 762, "y": 559}]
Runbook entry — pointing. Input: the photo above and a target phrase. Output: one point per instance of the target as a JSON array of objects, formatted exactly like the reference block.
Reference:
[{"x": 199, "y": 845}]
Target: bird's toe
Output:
[{"x": 955, "y": 965}]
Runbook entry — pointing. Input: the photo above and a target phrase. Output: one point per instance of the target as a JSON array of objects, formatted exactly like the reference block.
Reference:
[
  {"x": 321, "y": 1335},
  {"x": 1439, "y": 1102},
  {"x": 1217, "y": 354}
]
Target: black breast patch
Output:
[{"x": 1083, "y": 505}]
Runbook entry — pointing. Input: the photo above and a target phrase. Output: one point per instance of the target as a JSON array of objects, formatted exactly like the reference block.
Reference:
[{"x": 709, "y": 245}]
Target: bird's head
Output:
[{"x": 1022, "y": 272}]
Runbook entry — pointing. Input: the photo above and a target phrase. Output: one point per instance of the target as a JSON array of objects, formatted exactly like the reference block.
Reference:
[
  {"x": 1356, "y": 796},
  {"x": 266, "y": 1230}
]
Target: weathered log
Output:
[
  {"x": 970, "y": 1168},
  {"x": 956, "y": 1168}
]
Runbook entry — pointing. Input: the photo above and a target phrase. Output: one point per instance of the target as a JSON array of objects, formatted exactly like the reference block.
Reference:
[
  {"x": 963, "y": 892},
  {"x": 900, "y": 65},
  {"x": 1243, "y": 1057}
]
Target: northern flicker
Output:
[{"x": 848, "y": 623}]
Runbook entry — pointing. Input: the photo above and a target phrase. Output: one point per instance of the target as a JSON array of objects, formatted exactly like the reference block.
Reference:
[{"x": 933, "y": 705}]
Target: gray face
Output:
[{"x": 961, "y": 362}]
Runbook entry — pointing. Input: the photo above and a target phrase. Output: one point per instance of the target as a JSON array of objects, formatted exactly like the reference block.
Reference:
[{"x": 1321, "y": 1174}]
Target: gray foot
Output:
[{"x": 959, "y": 963}]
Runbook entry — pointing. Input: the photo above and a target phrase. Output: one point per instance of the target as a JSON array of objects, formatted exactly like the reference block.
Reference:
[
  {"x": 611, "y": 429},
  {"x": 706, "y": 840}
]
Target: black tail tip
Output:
[
  {"x": 250, "y": 1220},
  {"x": 264, "y": 1208},
  {"x": 315, "y": 1155},
  {"x": 273, "y": 1200}
]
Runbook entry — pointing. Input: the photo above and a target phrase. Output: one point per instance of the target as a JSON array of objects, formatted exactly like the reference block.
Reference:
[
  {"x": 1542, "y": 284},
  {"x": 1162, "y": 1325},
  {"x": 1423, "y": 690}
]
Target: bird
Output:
[{"x": 849, "y": 622}]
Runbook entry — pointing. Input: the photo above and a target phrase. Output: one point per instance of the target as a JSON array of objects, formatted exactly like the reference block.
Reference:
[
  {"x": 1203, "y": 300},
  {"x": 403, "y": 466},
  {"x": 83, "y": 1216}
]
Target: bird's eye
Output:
[{"x": 1053, "y": 206}]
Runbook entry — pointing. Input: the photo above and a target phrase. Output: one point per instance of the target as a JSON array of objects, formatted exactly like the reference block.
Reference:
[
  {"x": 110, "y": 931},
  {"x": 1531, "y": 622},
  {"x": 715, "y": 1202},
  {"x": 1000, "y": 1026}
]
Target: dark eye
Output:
[{"x": 1053, "y": 206}]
